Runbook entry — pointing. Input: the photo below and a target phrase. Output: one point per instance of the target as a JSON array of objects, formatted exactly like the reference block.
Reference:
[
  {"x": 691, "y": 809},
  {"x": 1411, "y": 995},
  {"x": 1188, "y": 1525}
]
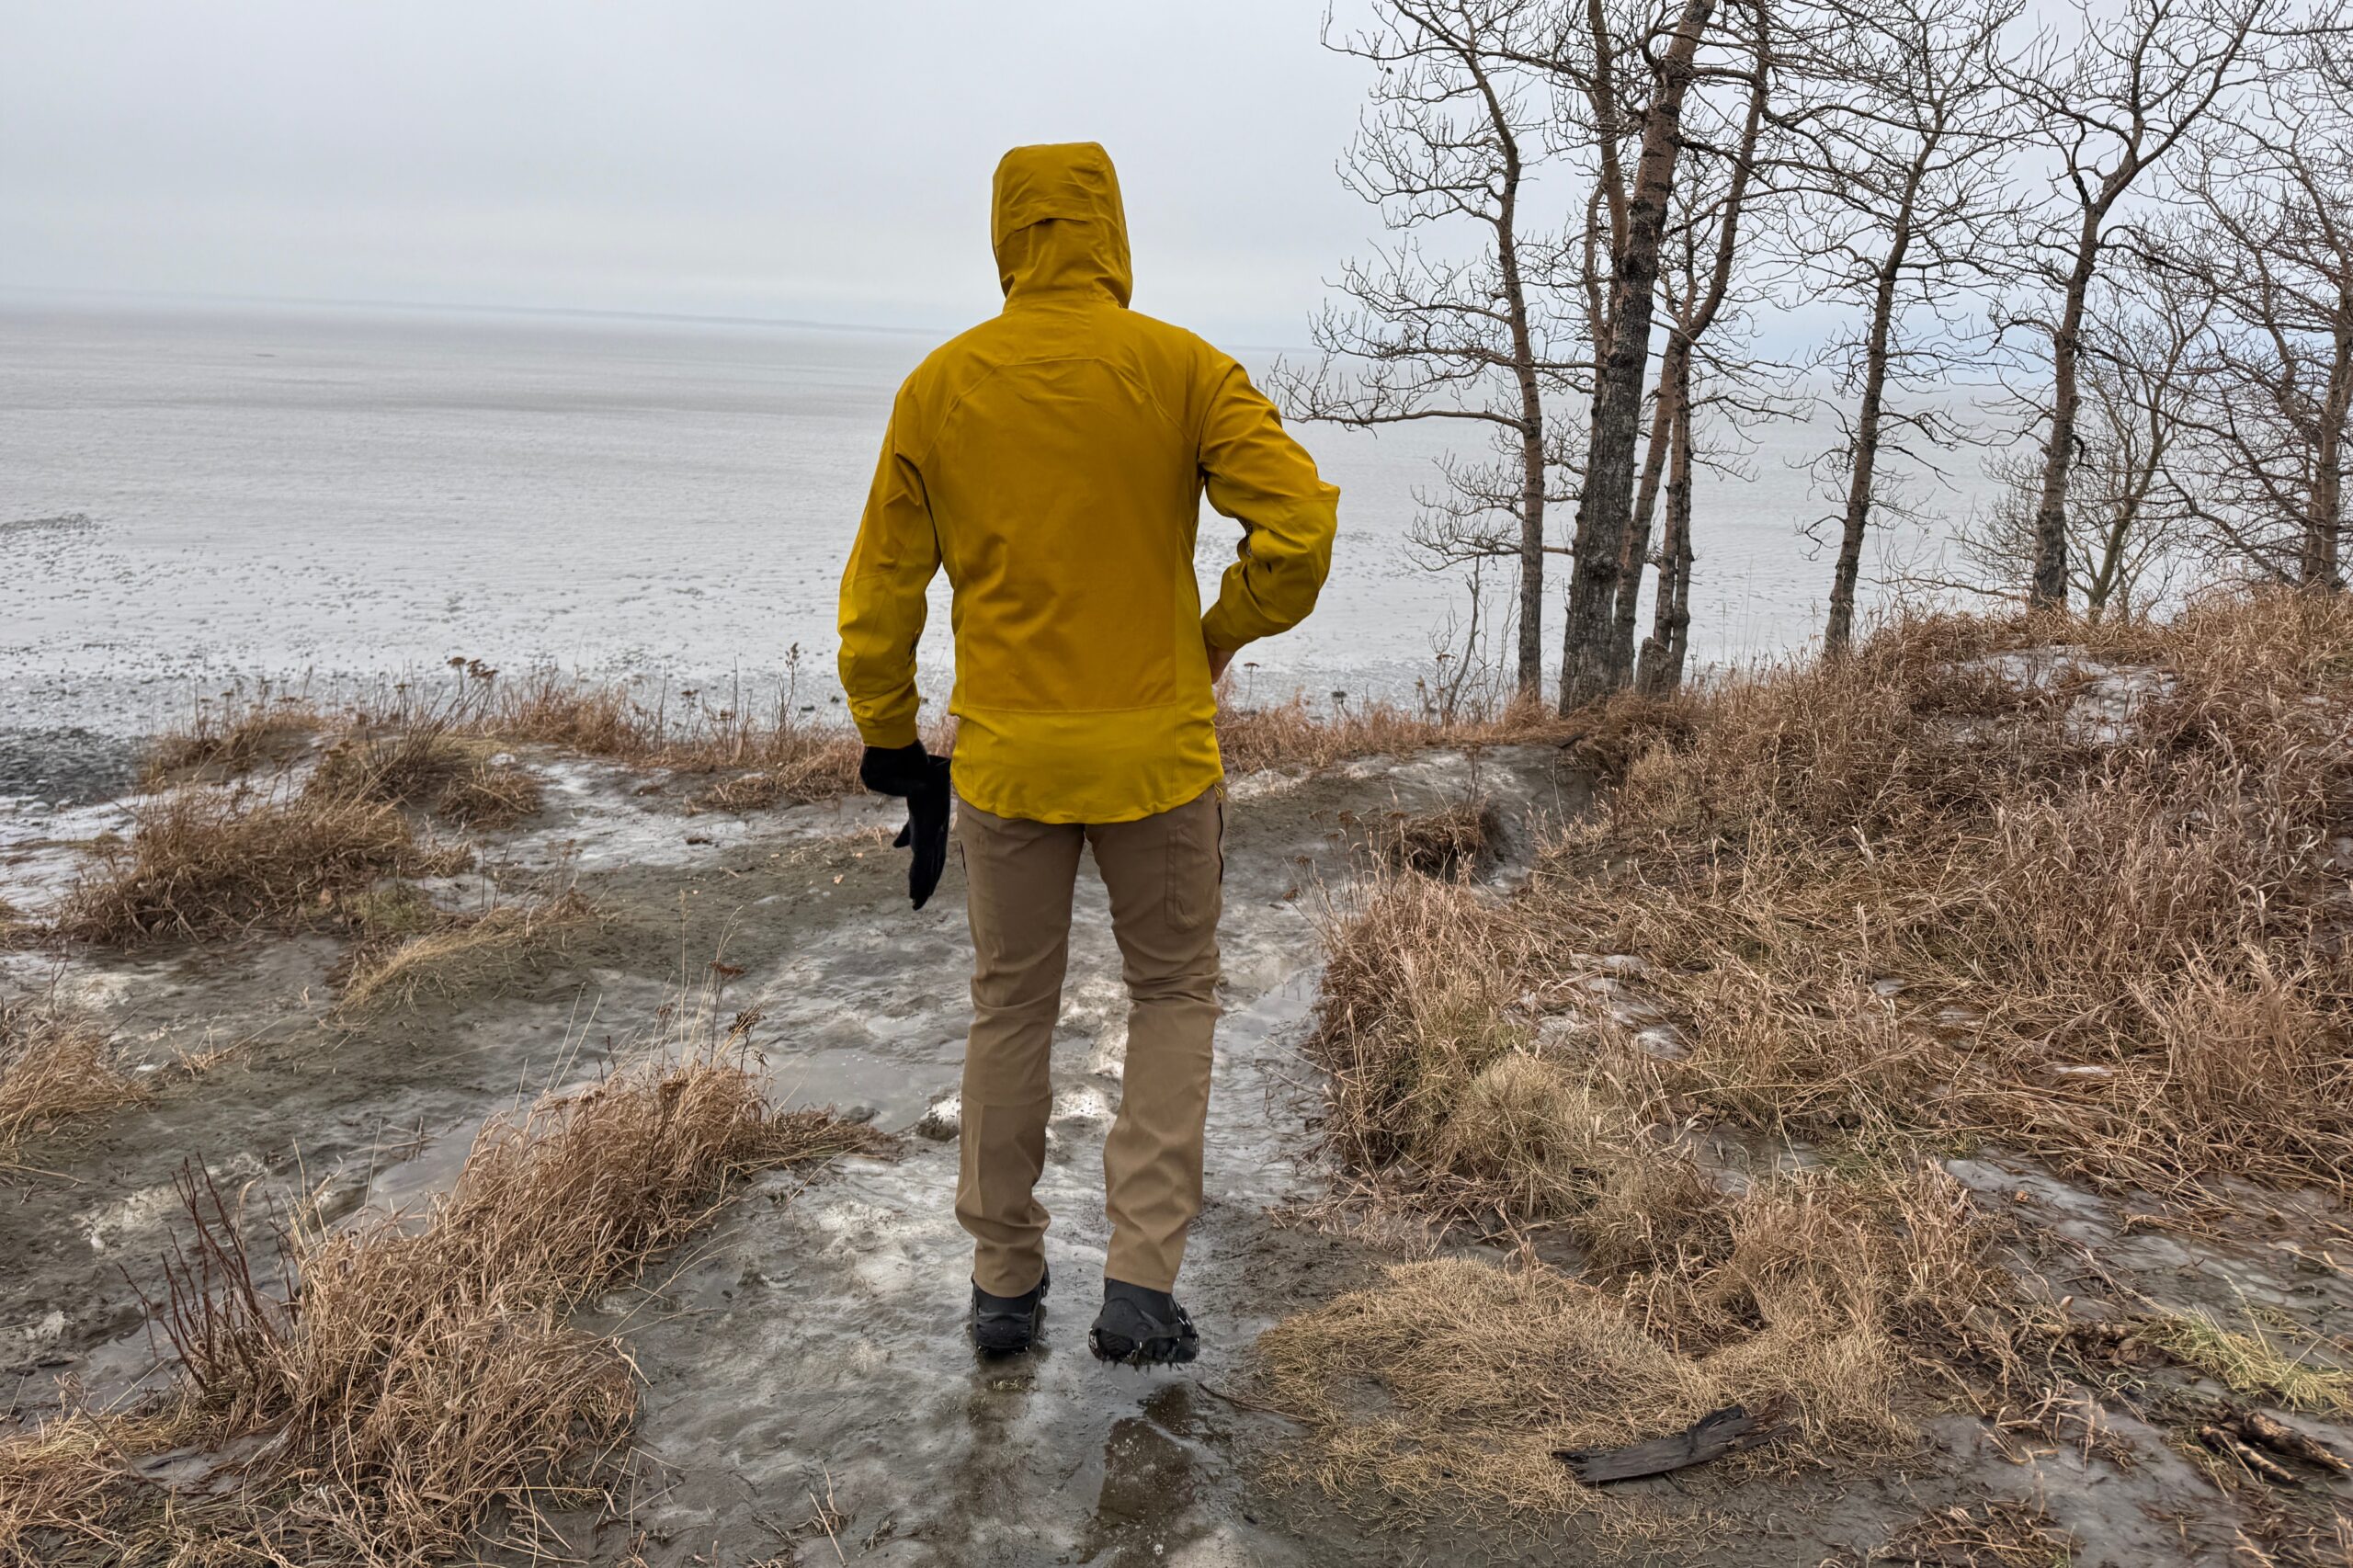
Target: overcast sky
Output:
[{"x": 733, "y": 157}]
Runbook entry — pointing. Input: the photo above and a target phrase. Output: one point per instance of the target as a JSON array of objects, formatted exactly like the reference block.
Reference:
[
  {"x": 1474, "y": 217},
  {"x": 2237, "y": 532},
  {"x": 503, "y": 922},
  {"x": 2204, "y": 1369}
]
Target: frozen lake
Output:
[{"x": 194, "y": 496}]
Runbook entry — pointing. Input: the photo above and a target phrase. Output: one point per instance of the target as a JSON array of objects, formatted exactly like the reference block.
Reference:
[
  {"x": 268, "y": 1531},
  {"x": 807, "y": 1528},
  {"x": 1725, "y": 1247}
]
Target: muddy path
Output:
[
  {"x": 815, "y": 1328},
  {"x": 807, "y": 1387}
]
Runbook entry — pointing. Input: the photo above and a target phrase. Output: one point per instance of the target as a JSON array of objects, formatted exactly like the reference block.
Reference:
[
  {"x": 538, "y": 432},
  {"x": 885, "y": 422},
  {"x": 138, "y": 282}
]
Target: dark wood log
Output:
[{"x": 1714, "y": 1434}]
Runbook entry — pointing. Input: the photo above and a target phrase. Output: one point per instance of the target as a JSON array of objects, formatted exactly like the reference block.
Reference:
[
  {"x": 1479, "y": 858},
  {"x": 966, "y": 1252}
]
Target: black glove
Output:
[{"x": 922, "y": 780}]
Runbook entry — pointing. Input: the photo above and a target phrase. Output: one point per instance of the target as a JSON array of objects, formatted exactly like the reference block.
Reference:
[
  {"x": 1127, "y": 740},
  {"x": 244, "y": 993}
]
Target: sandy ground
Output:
[{"x": 809, "y": 1347}]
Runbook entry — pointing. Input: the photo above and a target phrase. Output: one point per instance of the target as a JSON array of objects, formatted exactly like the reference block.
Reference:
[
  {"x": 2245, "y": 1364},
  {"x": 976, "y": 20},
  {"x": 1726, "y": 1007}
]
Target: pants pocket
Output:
[{"x": 1196, "y": 862}]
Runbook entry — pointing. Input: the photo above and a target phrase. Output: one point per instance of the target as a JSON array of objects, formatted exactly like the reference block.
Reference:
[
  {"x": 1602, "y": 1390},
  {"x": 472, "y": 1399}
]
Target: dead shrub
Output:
[
  {"x": 54, "y": 1065},
  {"x": 1455, "y": 839},
  {"x": 205, "y": 859},
  {"x": 420, "y": 1383}
]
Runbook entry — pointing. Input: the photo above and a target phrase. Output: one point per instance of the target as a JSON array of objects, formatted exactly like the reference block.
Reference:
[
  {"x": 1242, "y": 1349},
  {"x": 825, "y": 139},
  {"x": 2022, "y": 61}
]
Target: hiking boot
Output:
[
  {"x": 1004, "y": 1325},
  {"x": 1142, "y": 1328}
]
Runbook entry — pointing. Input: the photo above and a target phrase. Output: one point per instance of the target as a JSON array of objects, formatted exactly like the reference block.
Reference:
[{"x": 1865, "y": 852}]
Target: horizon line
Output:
[{"x": 469, "y": 308}]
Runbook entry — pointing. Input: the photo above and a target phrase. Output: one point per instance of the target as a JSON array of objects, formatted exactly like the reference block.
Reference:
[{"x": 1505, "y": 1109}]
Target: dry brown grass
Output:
[
  {"x": 419, "y": 1394},
  {"x": 1909, "y": 893},
  {"x": 2251, "y": 1362},
  {"x": 797, "y": 757},
  {"x": 824, "y": 769},
  {"x": 1289, "y": 734},
  {"x": 234, "y": 736},
  {"x": 2002, "y": 1532},
  {"x": 1919, "y": 897},
  {"x": 425, "y": 766},
  {"x": 408, "y": 948},
  {"x": 430, "y": 750},
  {"x": 206, "y": 859},
  {"x": 1455, "y": 1383},
  {"x": 54, "y": 1065}
]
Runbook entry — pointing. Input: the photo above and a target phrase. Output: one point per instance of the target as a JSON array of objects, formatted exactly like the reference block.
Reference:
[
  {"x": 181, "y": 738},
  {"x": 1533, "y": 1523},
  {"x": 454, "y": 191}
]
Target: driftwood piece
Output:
[
  {"x": 2229, "y": 1445},
  {"x": 2261, "y": 1427},
  {"x": 1714, "y": 1434}
]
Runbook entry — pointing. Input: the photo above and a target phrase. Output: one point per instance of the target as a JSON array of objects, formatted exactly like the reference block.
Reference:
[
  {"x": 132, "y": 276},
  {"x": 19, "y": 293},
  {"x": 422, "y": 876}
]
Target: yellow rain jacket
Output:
[{"x": 1053, "y": 459}]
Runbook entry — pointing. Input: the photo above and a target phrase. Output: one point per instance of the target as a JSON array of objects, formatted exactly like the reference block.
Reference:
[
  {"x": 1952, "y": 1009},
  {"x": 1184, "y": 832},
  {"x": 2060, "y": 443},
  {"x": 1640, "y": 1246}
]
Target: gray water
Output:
[{"x": 194, "y": 496}]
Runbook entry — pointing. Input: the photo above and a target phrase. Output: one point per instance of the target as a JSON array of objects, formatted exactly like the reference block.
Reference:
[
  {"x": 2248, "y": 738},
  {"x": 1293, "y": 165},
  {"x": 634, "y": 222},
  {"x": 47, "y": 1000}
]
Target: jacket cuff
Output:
[
  {"x": 1217, "y": 635},
  {"x": 888, "y": 735}
]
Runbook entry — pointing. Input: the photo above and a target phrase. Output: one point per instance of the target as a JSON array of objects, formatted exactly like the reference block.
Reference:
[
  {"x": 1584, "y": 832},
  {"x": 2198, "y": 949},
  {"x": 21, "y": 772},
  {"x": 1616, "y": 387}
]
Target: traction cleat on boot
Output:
[
  {"x": 1005, "y": 1325},
  {"x": 1142, "y": 1328}
]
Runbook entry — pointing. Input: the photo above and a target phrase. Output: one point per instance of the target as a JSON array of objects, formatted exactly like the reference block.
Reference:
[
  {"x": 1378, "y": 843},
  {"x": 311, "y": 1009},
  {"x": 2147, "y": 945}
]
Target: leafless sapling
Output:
[
  {"x": 2105, "y": 111},
  {"x": 1451, "y": 322}
]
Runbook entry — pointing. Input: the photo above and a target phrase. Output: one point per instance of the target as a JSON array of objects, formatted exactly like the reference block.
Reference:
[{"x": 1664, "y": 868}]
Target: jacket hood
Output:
[{"x": 1056, "y": 221}]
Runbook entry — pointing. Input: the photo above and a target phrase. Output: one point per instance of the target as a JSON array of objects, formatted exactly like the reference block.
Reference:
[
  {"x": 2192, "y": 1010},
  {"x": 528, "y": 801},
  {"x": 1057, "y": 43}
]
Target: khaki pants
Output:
[{"x": 1164, "y": 875}]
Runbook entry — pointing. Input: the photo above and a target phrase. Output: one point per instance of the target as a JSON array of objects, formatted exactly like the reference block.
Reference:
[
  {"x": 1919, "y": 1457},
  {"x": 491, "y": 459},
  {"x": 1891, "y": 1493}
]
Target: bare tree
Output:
[
  {"x": 1637, "y": 223},
  {"x": 2272, "y": 244},
  {"x": 2134, "y": 86},
  {"x": 1449, "y": 144},
  {"x": 1705, "y": 229},
  {"x": 1903, "y": 178},
  {"x": 2130, "y": 497}
]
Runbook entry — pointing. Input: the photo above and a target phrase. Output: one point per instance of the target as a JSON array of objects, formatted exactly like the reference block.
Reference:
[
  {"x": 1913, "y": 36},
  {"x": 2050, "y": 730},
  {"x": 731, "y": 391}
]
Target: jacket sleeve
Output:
[
  {"x": 1254, "y": 474},
  {"x": 882, "y": 605}
]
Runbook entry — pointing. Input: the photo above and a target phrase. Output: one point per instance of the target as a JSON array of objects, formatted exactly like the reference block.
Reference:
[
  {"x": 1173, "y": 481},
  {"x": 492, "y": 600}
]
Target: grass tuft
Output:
[
  {"x": 204, "y": 859},
  {"x": 2250, "y": 1363},
  {"x": 426, "y": 767},
  {"x": 1458, "y": 1380},
  {"x": 232, "y": 738},
  {"x": 1456, "y": 839},
  {"x": 420, "y": 1391},
  {"x": 54, "y": 1065},
  {"x": 409, "y": 948}
]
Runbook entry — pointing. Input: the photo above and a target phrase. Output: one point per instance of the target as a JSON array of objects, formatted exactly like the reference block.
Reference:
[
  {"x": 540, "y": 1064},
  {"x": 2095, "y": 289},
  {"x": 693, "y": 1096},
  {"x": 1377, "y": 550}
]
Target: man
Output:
[{"x": 1053, "y": 459}]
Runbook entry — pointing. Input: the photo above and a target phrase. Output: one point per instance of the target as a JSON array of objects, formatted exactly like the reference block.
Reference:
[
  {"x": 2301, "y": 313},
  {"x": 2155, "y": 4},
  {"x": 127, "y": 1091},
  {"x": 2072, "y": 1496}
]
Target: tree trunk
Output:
[
  {"x": 2047, "y": 590},
  {"x": 1608, "y": 493},
  {"x": 1661, "y": 670},
  {"x": 1636, "y": 554},
  {"x": 2324, "y": 512},
  {"x": 1839, "y": 634},
  {"x": 1531, "y": 534},
  {"x": 1531, "y": 412}
]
